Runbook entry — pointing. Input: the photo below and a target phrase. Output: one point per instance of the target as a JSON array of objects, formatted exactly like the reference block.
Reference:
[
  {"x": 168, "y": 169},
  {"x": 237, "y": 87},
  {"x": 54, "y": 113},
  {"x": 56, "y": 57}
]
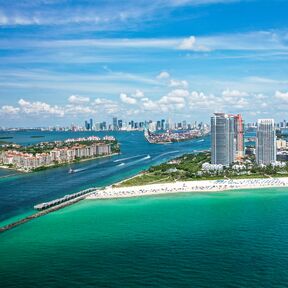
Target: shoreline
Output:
[
  {"x": 205, "y": 186},
  {"x": 58, "y": 165}
]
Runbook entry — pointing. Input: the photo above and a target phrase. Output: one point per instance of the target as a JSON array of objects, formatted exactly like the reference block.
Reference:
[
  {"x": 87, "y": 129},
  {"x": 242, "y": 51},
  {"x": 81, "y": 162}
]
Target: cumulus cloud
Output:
[
  {"x": 9, "y": 110},
  {"x": 190, "y": 44},
  {"x": 234, "y": 93},
  {"x": 76, "y": 110},
  {"x": 127, "y": 100},
  {"x": 40, "y": 108},
  {"x": 75, "y": 99},
  {"x": 138, "y": 94},
  {"x": 178, "y": 83},
  {"x": 163, "y": 75},
  {"x": 282, "y": 96},
  {"x": 102, "y": 101},
  {"x": 174, "y": 100},
  {"x": 149, "y": 105}
]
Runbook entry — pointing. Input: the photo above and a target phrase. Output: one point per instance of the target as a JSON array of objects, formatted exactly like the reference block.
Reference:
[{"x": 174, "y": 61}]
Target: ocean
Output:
[
  {"x": 230, "y": 239},
  {"x": 223, "y": 239}
]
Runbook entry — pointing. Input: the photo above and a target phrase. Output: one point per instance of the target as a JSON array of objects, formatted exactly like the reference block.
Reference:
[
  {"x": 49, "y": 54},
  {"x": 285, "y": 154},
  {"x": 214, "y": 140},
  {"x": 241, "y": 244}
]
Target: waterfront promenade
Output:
[{"x": 188, "y": 186}]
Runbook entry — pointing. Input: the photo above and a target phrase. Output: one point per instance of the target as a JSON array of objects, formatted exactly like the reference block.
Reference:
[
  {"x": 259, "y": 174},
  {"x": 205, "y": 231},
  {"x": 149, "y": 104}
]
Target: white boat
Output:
[{"x": 71, "y": 171}]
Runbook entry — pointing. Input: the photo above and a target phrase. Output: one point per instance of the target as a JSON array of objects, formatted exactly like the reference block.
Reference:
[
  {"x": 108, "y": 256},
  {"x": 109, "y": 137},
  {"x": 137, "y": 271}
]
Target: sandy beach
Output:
[{"x": 187, "y": 187}]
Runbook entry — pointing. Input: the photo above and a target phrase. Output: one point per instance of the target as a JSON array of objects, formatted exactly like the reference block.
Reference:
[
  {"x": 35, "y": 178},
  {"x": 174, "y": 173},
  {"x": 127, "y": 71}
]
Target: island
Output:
[
  {"x": 197, "y": 166},
  {"x": 174, "y": 136},
  {"x": 194, "y": 173},
  {"x": 45, "y": 155}
]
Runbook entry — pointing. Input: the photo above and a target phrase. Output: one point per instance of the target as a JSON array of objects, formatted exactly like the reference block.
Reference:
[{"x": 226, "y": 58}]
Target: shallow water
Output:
[{"x": 225, "y": 239}]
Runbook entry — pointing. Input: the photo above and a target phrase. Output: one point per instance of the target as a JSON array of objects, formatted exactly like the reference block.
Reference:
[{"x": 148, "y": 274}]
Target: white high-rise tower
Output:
[
  {"x": 266, "y": 142},
  {"x": 222, "y": 139}
]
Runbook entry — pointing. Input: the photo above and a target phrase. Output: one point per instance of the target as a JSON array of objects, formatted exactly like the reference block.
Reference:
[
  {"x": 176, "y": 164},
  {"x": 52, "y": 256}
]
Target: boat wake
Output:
[
  {"x": 166, "y": 153},
  {"x": 135, "y": 162},
  {"x": 128, "y": 158},
  {"x": 121, "y": 164}
]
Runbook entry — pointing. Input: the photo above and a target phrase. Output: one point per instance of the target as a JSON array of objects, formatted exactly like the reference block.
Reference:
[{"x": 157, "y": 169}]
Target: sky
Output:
[{"x": 65, "y": 61}]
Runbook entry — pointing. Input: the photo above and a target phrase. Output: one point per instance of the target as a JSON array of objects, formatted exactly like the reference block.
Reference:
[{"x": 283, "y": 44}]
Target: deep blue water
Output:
[{"x": 20, "y": 192}]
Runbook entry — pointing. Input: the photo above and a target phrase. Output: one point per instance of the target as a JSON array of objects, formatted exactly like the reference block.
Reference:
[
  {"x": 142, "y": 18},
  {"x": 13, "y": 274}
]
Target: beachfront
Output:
[{"x": 188, "y": 186}]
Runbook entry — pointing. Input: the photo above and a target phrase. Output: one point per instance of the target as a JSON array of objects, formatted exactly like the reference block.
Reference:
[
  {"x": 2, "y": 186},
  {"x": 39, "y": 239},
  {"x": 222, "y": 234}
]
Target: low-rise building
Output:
[{"x": 29, "y": 161}]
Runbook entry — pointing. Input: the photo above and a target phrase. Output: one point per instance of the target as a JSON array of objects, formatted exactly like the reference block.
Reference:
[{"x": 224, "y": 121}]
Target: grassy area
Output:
[{"x": 188, "y": 168}]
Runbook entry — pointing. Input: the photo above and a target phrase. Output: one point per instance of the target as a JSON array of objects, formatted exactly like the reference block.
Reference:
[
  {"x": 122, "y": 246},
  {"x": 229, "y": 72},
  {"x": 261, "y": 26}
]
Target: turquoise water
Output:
[
  {"x": 20, "y": 192},
  {"x": 231, "y": 239}
]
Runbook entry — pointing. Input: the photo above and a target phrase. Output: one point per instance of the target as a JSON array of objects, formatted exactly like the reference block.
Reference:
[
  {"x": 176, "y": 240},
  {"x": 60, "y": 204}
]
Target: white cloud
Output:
[
  {"x": 174, "y": 100},
  {"x": 40, "y": 108},
  {"x": 127, "y": 100},
  {"x": 282, "y": 96},
  {"x": 234, "y": 93},
  {"x": 178, "y": 83},
  {"x": 75, "y": 99},
  {"x": 190, "y": 44},
  {"x": 163, "y": 75},
  {"x": 138, "y": 94},
  {"x": 101, "y": 101},
  {"x": 149, "y": 105},
  {"x": 76, "y": 110},
  {"x": 9, "y": 110}
]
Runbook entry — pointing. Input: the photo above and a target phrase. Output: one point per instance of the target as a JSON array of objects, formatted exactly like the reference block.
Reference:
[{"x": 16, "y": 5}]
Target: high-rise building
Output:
[
  {"x": 266, "y": 142},
  {"x": 163, "y": 124},
  {"x": 87, "y": 125},
  {"x": 158, "y": 125},
  {"x": 222, "y": 139},
  {"x": 91, "y": 124},
  {"x": 239, "y": 136},
  {"x": 103, "y": 126},
  {"x": 184, "y": 124},
  {"x": 120, "y": 124},
  {"x": 115, "y": 124}
]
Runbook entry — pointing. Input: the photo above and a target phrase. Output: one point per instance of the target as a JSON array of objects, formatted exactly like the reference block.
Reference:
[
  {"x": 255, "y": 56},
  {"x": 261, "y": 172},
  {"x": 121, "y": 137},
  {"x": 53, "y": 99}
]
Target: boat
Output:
[{"x": 71, "y": 171}]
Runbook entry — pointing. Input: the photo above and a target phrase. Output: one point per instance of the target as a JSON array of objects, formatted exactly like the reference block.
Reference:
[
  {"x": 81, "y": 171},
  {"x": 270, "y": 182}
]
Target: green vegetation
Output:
[
  {"x": 183, "y": 168},
  {"x": 189, "y": 167}
]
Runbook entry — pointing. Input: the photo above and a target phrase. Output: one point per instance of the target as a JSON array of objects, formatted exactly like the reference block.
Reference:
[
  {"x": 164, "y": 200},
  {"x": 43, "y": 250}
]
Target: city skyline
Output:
[{"x": 174, "y": 58}]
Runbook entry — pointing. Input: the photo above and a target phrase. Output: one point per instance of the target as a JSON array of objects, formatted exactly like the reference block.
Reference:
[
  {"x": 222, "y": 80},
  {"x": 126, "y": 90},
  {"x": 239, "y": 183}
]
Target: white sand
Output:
[{"x": 188, "y": 186}]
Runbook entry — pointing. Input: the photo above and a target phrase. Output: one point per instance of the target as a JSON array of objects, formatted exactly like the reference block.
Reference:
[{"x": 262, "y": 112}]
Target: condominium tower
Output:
[
  {"x": 266, "y": 142},
  {"x": 239, "y": 137},
  {"x": 222, "y": 139}
]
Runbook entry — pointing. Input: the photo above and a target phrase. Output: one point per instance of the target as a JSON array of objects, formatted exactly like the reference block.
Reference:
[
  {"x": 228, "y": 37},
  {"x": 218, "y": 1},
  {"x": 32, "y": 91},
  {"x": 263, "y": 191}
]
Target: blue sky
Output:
[{"x": 62, "y": 61}]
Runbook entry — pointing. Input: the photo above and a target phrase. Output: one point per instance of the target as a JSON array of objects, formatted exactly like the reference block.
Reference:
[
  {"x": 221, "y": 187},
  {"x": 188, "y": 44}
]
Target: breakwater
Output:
[
  {"x": 54, "y": 206},
  {"x": 46, "y": 205}
]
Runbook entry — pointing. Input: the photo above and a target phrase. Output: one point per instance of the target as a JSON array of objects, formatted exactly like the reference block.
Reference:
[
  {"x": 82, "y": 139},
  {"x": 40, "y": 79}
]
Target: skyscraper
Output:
[
  {"x": 87, "y": 125},
  {"x": 222, "y": 139},
  {"x": 120, "y": 124},
  {"x": 266, "y": 142},
  {"x": 91, "y": 124},
  {"x": 115, "y": 124},
  {"x": 239, "y": 136},
  {"x": 163, "y": 124}
]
